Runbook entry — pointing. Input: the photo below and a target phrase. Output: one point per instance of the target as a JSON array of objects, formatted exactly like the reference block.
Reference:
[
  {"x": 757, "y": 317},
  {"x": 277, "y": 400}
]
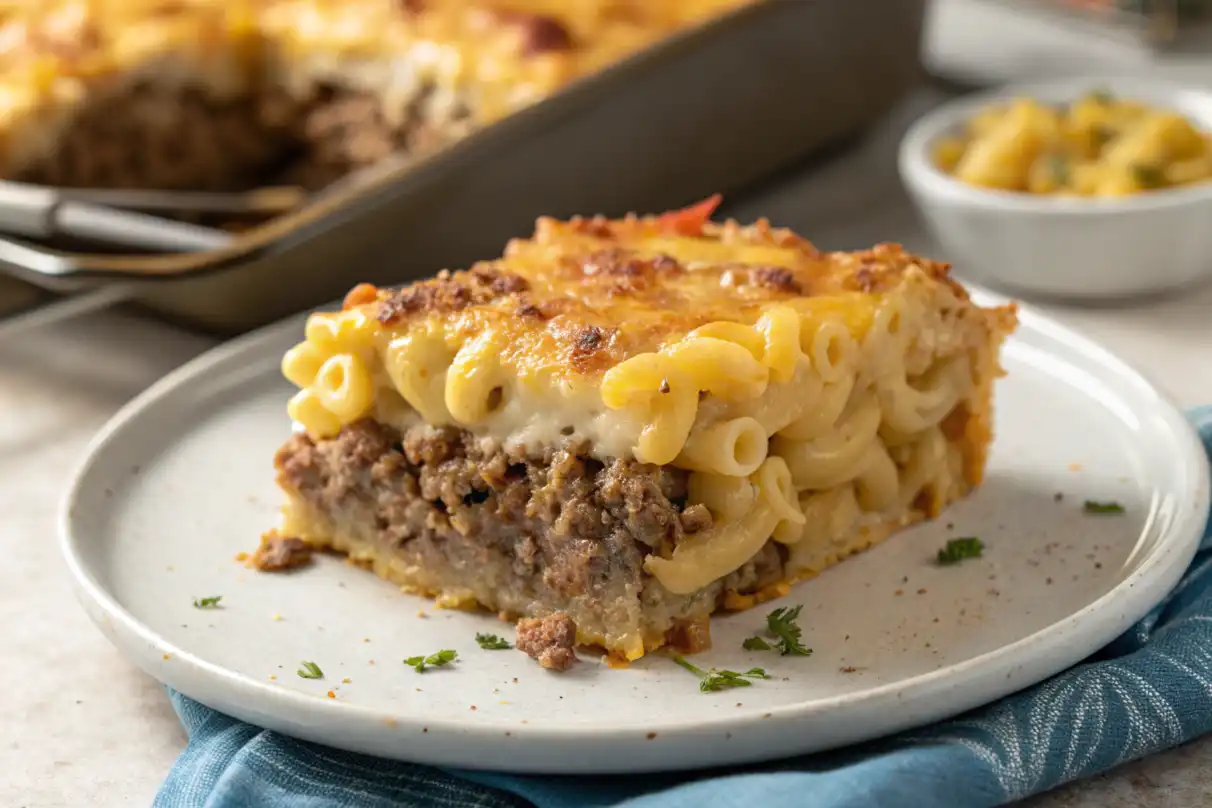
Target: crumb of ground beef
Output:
[
  {"x": 696, "y": 519},
  {"x": 281, "y": 553},
  {"x": 550, "y": 640}
]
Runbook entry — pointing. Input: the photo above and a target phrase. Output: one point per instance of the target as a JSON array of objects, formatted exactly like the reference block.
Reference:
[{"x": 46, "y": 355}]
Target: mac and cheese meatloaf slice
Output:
[{"x": 635, "y": 423}]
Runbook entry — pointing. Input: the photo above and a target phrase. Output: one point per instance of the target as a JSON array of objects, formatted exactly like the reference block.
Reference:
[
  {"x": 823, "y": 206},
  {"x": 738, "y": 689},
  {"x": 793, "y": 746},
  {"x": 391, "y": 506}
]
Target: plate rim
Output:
[{"x": 1020, "y": 661}]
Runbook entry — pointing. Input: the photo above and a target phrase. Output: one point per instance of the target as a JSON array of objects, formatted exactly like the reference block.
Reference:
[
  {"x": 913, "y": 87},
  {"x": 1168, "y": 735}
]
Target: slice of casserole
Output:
[
  {"x": 638, "y": 422},
  {"x": 234, "y": 93}
]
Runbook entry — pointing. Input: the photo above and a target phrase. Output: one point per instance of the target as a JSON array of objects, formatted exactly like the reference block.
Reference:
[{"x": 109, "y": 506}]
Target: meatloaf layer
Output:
[
  {"x": 449, "y": 515},
  {"x": 151, "y": 136}
]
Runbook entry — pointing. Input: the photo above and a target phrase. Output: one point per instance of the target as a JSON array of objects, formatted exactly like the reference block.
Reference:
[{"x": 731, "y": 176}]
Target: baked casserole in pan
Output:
[{"x": 225, "y": 94}]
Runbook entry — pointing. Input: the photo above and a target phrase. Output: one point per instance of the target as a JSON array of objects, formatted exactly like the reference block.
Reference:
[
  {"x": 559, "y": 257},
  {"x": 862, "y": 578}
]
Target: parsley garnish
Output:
[
  {"x": 1101, "y": 96},
  {"x": 959, "y": 549},
  {"x": 491, "y": 642},
  {"x": 1091, "y": 506},
  {"x": 713, "y": 680},
  {"x": 433, "y": 660},
  {"x": 755, "y": 643},
  {"x": 208, "y": 603},
  {"x": 310, "y": 670},
  {"x": 1058, "y": 165},
  {"x": 781, "y": 623}
]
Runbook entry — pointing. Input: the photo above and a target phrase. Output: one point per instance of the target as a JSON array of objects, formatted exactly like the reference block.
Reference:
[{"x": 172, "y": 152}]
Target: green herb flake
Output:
[
  {"x": 1101, "y": 96},
  {"x": 435, "y": 660},
  {"x": 755, "y": 643},
  {"x": 491, "y": 642},
  {"x": 781, "y": 623},
  {"x": 1148, "y": 176},
  {"x": 1091, "y": 506},
  {"x": 715, "y": 680},
  {"x": 310, "y": 670},
  {"x": 959, "y": 549},
  {"x": 1058, "y": 167},
  {"x": 208, "y": 603}
]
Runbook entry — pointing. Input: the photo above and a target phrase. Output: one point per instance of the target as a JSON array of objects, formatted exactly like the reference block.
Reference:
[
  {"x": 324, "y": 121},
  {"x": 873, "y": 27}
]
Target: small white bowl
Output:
[{"x": 1064, "y": 247}]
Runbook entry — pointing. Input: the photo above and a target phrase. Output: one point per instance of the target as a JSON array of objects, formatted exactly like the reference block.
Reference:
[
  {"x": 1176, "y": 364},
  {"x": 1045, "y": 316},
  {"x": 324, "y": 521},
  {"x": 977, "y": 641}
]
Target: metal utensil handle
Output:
[
  {"x": 86, "y": 220},
  {"x": 127, "y": 228},
  {"x": 271, "y": 200}
]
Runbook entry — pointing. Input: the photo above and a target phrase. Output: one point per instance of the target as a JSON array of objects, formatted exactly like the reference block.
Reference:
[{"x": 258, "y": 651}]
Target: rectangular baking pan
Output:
[{"x": 712, "y": 109}]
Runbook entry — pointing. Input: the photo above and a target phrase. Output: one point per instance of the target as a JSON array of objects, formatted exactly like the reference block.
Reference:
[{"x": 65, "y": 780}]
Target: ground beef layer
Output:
[
  {"x": 459, "y": 518},
  {"x": 150, "y": 136}
]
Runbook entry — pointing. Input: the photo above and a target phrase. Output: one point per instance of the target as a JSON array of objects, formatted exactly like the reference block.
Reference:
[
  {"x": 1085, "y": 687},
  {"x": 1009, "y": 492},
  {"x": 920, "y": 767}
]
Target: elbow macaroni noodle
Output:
[{"x": 785, "y": 424}]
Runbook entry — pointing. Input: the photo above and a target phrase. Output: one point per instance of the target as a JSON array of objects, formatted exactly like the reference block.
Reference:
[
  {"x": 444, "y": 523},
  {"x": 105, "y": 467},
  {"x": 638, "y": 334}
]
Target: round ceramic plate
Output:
[{"x": 181, "y": 482}]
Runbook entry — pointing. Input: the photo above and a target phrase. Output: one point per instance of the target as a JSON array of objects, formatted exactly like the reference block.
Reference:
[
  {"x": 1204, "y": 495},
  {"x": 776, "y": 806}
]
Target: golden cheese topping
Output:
[
  {"x": 627, "y": 333},
  {"x": 583, "y": 295}
]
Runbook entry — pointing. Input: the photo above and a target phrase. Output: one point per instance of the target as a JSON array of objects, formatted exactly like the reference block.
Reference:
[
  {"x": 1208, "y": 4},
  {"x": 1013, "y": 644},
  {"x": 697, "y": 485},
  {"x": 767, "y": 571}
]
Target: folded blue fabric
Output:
[{"x": 1147, "y": 691}]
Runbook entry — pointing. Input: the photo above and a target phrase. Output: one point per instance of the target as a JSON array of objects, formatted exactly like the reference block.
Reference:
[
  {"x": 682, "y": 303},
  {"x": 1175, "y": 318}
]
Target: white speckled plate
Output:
[{"x": 181, "y": 481}]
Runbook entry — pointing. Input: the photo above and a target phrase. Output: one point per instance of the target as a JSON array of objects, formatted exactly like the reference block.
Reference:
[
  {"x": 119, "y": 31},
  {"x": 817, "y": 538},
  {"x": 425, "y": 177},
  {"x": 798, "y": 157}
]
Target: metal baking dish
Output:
[{"x": 711, "y": 109}]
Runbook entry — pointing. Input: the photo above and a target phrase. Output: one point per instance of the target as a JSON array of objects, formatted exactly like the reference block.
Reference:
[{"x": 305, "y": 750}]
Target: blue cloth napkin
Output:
[{"x": 1149, "y": 690}]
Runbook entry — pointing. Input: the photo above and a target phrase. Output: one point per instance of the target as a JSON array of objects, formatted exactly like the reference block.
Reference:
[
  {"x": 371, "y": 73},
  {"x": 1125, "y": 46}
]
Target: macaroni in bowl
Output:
[{"x": 1097, "y": 145}]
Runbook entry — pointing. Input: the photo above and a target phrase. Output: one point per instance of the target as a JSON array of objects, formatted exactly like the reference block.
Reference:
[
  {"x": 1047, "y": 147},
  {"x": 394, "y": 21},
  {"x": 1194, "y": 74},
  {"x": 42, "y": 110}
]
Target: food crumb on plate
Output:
[
  {"x": 167, "y": 657},
  {"x": 346, "y": 680},
  {"x": 276, "y": 616},
  {"x": 273, "y": 677},
  {"x": 332, "y": 695},
  {"x": 1075, "y": 467}
]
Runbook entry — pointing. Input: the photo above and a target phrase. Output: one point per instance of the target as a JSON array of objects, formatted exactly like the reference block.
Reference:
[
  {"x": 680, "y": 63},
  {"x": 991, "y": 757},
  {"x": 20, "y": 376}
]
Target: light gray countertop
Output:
[{"x": 81, "y": 726}]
